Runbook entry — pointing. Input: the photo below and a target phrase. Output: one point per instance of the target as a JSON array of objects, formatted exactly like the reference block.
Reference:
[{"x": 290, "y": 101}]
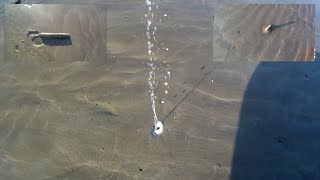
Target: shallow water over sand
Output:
[
  {"x": 239, "y": 34},
  {"x": 83, "y": 111}
]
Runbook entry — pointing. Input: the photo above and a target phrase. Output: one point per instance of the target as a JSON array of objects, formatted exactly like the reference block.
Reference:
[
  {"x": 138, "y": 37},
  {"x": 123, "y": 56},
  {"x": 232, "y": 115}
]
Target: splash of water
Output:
[{"x": 152, "y": 74}]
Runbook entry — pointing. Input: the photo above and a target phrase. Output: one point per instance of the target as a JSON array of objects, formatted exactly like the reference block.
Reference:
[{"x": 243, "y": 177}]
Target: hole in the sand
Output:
[
  {"x": 17, "y": 2},
  {"x": 57, "y": 41},
  {"x": 50, "y": 39},
  {"x": 37, "y": 41},
  {"x": 16, "y": 47},
  {"x": 140, "y": 169},
  {"x": 158, "y": 128}
]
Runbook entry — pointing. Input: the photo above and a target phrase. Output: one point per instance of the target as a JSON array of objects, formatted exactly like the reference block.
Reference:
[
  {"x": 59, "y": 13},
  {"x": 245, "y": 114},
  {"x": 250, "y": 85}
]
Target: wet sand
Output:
[
  {"x": 238, "y": 32},
  {"x": 92, "y": 119},
  {"x": 86, "y": 26}
]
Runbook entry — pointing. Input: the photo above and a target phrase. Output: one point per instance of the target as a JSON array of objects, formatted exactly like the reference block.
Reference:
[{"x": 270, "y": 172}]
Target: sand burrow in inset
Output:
[
  {"x": 264, "y": 32},
  {"x": 55, "y": 32}
]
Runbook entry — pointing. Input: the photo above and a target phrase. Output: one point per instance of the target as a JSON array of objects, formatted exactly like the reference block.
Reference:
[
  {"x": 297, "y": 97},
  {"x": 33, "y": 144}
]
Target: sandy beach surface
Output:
[
  {"x": 83, "y": 110},
  {"x": 86, "y": 25},
  {"x": 239, "y": 32}
]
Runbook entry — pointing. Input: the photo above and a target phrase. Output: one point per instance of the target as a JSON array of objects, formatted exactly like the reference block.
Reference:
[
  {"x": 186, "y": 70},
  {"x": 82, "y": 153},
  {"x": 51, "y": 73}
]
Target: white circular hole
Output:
[{"x": 158, "y": 129}]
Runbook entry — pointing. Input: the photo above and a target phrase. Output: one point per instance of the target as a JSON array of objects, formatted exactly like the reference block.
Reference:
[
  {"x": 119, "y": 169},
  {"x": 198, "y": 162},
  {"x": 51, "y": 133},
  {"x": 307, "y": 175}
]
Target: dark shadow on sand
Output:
[
  {"x": 279, "y": 126},
  {"x": 274, "y": 27},
  {"x": 317, "y": 56},
  {"x": 51, "y": 41}
]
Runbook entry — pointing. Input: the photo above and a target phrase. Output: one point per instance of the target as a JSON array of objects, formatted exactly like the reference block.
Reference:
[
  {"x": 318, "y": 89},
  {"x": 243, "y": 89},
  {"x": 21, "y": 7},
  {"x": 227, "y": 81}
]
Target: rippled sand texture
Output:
[
  {"x": 238, "y": 32},
  {"x": 86, "y": 25},
  {"x": 93, "y": 119}
]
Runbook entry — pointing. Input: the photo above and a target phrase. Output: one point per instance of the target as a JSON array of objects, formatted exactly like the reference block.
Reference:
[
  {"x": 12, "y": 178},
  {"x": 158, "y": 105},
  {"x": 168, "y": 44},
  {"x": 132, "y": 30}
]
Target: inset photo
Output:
[
  {"x": 264, "y": 32},
  {"x": 55, "y": 32}
]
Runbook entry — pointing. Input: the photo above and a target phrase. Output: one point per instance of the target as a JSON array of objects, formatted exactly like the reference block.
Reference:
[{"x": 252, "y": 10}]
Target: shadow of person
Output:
[
  {"x": 317, "y": 58},
  {"x": 279, "y": 124}
]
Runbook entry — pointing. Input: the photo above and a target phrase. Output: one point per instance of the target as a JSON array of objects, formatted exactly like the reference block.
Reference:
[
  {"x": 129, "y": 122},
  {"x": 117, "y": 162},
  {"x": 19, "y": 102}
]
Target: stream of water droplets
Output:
[{"x": 150, "y": 32}]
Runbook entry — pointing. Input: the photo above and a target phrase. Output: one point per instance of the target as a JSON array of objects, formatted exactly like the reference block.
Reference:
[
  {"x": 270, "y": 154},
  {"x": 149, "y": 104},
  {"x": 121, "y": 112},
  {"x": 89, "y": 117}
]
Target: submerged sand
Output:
[
  {"x": 238, "y": 32},
  {"x": 86, "y": 26},
  {"x": 92, "y": 119}
]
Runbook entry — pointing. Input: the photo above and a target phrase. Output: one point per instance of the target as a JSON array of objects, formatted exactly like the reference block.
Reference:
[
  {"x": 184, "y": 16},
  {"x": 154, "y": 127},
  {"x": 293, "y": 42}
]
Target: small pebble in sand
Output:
[
  {"x": 165, "y": 15},
  {"x": 166, "y": 83},
  {"x": 162, "y": 102},
  {"x": 166, "y": 92}
]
